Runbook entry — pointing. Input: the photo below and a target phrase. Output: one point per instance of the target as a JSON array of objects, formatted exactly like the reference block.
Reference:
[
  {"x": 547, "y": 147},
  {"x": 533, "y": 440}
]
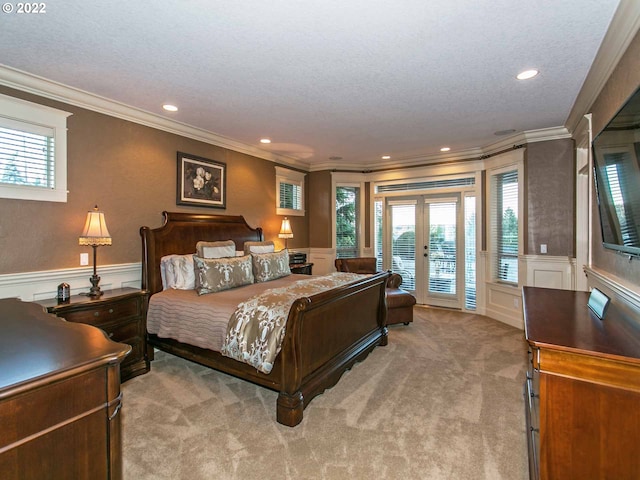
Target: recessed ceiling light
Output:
[
  {"x": 445, "y": 149},
  {"x": 265, "y": 140},
  {"x": 170, "y": 108},
  {"x": 527, "y": 74},
  {"x": 386, "y": 157}
]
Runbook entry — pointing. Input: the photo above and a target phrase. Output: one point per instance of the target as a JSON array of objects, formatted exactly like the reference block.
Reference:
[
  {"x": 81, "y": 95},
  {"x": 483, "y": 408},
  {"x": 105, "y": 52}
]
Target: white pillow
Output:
[
  {"x": 177, "y": 272},
  {"x": 220, "y": 249},
  {"x": 259, "y": 247}
]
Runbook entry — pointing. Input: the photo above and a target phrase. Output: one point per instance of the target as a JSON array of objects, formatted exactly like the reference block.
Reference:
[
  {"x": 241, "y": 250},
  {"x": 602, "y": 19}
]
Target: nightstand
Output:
[
  {"x": 121, "y": 313},
  {"x": 303, "y": 268}
]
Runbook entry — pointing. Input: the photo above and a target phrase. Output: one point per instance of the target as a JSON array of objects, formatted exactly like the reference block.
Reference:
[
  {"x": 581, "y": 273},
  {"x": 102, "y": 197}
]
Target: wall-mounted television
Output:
[{"x": 616, "y": 155}]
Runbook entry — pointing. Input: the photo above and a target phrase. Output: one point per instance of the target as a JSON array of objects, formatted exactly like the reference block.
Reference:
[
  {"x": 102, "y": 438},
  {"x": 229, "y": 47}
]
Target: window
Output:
[
  {"x": 347, "y": 221},
  {"x": 470, "y": 252},
  {"x": 33, "y": 158},
  {"x": 378, "y": 232},
  {"x": 504, "y": 226},
  {"x": 289, "y": 192}
]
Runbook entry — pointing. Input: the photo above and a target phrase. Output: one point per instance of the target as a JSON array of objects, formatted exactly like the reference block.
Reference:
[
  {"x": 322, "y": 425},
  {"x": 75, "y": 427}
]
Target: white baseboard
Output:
[{"x": 33, "y": 286}]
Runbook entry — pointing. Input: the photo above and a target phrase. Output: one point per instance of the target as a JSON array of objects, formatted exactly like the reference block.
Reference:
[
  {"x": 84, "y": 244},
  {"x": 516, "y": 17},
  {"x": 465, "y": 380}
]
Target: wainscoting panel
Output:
[
  {"x": 549, "y": 271},
  {"x": 30, "y": 286},
  {"x": 322, "y": 259},
  {"x": 504, "y": 303}
]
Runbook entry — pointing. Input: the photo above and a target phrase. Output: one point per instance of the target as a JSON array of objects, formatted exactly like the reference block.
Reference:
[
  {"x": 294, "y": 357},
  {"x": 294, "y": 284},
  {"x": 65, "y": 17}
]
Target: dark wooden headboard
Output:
[{"x": 179, "y": 235}]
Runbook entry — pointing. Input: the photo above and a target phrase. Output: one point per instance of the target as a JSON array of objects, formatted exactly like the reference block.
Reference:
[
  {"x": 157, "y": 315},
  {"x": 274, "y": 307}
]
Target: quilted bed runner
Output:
[{"x": 257, "y": 327}]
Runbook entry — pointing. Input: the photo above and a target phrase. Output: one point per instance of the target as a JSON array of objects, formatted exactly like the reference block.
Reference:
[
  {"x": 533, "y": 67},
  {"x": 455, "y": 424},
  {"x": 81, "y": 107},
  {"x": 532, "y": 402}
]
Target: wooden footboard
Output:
[{"x": 325, "y": 335}]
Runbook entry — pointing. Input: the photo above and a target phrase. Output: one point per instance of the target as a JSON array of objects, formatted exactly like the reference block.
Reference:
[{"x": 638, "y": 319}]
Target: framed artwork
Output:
[{"x": 201, "y": 182}]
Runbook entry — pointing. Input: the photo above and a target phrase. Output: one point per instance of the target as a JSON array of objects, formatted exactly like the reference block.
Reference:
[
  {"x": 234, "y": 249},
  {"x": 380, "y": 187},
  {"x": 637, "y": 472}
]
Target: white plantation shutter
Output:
[
  {"x": 290, "y": 192},
  {"x": 504, "y": 226},
  {"x": 378, "y": 234},
  {"x": 33, "y": 151},
  {"x": 403, "y": 247},
  {"x": 290, "y": 196},
  {"x": 470, "y": 252},
  {"x": 27, "y": 158}
]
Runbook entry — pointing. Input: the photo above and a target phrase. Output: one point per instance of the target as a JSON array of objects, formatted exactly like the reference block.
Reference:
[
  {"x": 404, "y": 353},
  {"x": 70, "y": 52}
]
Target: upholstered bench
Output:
[{"x": 399, "y": 302}]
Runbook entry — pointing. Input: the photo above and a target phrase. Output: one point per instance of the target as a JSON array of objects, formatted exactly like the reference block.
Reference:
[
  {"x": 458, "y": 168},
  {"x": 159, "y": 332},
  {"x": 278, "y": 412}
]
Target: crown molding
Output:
[
  {"x": 43, "y": 87},
  {"x": 622, "y": 30},
  {"x": 46, "y": 88},
  {"x": 529, "y": 136}
]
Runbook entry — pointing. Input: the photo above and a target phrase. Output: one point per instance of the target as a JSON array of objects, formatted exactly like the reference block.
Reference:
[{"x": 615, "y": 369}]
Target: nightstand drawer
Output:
[
  {"x": 123, "y": 331},
  {"x": 101, "y": 314},
  {"x": 136, "y": 355},
  {"x": 121, "y": 313}
]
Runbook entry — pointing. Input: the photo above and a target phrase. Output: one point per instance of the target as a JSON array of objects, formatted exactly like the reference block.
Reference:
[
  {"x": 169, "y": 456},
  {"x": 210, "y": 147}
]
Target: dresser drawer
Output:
[{"x": 102, "y": 314}]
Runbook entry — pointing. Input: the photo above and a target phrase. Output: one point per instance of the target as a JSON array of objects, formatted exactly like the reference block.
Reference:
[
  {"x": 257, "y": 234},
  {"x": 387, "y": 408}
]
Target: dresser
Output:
[
  {"x": 59, "y": 397},
  {"x": 582, "y": 391},
  {"x": 121, "y": 313}
]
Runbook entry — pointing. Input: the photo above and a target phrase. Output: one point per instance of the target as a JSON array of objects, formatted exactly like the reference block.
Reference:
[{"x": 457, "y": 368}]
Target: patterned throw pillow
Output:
[
  {"x": 221, "y": 249},
  {"x": 269, "y": 266},
  {"x": 259, "y": 247},
  {"x": 217, "y": 274}
]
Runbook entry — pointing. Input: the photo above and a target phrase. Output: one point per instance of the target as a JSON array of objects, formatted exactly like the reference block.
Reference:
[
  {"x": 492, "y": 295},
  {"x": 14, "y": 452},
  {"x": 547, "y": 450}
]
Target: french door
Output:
[
  {"x": 432, "y": 240},
  {"x": 439, "y": 254}
]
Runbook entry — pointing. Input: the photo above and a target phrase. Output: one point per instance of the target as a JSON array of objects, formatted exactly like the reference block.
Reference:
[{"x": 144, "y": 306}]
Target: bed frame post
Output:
[{"x": 289, "y": 409}]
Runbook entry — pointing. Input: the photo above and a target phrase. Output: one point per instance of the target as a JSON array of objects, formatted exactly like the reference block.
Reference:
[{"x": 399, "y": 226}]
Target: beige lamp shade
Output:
[
  {"x": 95, "y": 230},
  {"x": 285, "y": 229}
]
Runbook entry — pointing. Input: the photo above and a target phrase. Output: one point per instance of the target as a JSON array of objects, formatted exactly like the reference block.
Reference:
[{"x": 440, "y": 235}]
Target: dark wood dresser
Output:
[
  {"x": 59, "y": 397},
  {"x": 121, "y": 313},
  {"x": 582, "y": 391}
]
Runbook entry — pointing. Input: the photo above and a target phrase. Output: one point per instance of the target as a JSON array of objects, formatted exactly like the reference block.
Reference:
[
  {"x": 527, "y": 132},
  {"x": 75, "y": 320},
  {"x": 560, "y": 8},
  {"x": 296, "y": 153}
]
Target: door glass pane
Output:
[
  {"x": 403, "y": 245},
  {"x": 442, "y": 248},
  {"x": 470, "y": 252}
]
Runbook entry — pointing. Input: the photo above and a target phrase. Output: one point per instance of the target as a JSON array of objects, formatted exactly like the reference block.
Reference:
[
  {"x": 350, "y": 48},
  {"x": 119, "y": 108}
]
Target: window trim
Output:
[
  {"x": 503, "y": 167},
  {"x": 291, "y": 177},
  {"x": 34, "y": 117},
  {"x": 339, "y": 179},
  {"x": 359, "y": 221}
]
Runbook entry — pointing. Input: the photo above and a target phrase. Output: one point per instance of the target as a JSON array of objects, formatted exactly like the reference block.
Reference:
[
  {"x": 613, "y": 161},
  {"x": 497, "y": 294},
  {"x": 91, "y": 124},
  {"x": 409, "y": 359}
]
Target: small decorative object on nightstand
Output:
[
  {"x": 121, "y": 313},
  {"x": 302, "y": 268}
]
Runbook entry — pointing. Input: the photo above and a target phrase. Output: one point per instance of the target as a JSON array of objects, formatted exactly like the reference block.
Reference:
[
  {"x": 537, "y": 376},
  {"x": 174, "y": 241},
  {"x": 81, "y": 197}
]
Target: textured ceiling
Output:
[{"x": 355, "y": 79}]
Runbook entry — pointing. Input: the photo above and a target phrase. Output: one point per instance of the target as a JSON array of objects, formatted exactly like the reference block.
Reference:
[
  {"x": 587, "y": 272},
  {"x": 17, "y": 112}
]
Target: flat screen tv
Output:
[{"x": 616, "y": 154}]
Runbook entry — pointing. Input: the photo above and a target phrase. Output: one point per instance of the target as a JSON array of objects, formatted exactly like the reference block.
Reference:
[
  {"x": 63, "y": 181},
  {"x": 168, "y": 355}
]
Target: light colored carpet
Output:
[{"x": 442, "y": 401}]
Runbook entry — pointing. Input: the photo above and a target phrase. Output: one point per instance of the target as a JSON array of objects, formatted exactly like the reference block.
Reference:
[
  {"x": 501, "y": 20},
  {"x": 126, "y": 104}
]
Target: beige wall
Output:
[
  {"x": 621, "y": 84},
  {"x": 129, "y": 170},
  {"x": 320, "y": 210},
  {"x": 550, "y": 197}
]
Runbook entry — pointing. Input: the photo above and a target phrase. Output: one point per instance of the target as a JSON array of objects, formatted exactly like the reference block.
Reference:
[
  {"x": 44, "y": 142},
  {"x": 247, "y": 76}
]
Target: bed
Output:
[{"x": 325, "y": 335}]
